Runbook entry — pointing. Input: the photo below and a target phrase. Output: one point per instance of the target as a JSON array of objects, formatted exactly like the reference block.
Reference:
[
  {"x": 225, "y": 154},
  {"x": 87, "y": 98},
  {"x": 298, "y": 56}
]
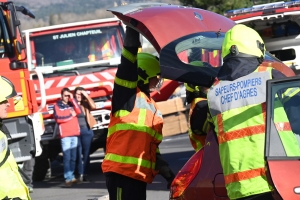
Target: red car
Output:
[{"x": 184, "y": 34}]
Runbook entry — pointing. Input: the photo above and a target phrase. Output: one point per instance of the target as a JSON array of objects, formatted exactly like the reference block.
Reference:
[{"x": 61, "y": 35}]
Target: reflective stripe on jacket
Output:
[
  {"x": 133, "y": 139},
  {"x": 101, "y": 51},
  {"x": 238, "y": 111},
  {"x": 12, "y": 184},
  {"x": 197, "y": 140}
]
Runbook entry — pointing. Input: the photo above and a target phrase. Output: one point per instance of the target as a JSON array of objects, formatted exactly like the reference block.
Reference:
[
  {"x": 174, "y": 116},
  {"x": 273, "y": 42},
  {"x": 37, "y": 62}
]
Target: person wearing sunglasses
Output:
[
  {"x": 65, "y": 114},
  {"x": 86, "y": 122}
]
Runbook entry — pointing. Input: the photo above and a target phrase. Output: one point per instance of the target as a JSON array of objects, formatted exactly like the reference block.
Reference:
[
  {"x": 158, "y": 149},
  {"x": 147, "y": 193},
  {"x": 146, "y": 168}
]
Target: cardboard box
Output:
[
  {"x": 175, "y": 123},
  {"x": 171, "y": 106}
]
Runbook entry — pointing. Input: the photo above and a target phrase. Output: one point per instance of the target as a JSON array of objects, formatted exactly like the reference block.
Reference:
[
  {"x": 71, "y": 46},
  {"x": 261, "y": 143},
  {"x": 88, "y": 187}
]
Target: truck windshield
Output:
[{"x": 73, "y": 47}]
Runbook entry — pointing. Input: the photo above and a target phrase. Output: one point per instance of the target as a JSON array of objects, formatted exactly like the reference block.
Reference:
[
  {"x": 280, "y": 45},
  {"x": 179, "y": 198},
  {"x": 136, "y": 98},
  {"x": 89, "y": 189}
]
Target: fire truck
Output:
[
  {"x": 24, "y": 120},
  {"x": 84, "y": 54},
  {"x": 278, "y": 24}
]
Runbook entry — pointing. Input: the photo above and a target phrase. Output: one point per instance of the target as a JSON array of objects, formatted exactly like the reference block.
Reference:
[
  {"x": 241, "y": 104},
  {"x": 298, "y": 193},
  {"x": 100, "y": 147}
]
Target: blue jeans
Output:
[
  {"x": 69, "y": 148},
  {"x": 84, "y": 145}
]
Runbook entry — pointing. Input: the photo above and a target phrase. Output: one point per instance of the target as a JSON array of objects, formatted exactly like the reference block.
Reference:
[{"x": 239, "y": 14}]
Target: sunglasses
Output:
[
  {"x": 4, "y": 102},
  {"x": 67, "y": 96}
]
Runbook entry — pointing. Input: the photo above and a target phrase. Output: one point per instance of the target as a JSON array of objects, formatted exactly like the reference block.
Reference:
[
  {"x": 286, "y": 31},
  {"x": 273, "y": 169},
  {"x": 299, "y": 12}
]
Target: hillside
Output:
[{"x": 64, "y": 11}]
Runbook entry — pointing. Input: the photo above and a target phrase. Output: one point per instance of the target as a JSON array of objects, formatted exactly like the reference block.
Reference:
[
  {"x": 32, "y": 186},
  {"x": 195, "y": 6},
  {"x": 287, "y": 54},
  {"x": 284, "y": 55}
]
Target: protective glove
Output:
[
  {"x": 168, "y": 174},
  {"x": 132, "y": 38},
  {"x": 163, "y": 167}
]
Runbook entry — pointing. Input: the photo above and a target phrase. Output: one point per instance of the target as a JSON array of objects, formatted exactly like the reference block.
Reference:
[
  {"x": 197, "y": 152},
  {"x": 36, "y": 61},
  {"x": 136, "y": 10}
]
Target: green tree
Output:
[{"x": 221, "y": 6}]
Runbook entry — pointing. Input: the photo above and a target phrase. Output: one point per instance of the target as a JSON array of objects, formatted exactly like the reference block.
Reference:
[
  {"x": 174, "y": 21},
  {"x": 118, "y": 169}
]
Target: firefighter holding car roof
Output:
[
  {"x": 239, "y": 119},
  {"x": 198, "y": 122},
  {"x": 12, "y": 185},
  {"x": 135, "y": 131}
]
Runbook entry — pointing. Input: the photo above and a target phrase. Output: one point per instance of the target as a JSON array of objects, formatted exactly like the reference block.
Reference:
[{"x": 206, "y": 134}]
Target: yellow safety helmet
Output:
[
  {"x": 191, "y": 87},
  {"x": 7, "y": 89},
  {"x": 243, "y": 41},
  {"x": 148, "y": 67}
]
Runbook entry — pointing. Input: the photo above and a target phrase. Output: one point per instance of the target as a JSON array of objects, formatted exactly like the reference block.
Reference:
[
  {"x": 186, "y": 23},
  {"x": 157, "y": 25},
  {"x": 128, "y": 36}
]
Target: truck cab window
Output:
[{"x": 74, "y": 47}]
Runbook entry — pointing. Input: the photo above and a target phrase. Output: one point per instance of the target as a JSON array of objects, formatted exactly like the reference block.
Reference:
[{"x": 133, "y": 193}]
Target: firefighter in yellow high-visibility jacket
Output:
[
  {"x": 198, "y": 122},
  {"x": 12, "y": 185}
]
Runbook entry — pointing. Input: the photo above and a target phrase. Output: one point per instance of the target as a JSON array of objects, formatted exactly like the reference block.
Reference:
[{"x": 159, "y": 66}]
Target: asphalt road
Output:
[{"x": 175, "y": 149}]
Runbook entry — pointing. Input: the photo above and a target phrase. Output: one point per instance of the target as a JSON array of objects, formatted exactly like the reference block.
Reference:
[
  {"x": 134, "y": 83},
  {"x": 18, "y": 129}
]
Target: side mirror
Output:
[
  {"x": 25, "y": 11},
  {"x": 14, "y": 22},
  {"x": 20, "y": 47}
]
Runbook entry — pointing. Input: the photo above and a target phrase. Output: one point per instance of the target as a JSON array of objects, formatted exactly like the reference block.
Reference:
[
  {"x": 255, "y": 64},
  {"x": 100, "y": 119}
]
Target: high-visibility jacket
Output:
[
  {"x": 238, "y": 111},
  {"x": 133, "y": 139},
  {"x": 11, "y": 184},
  {"x": 197, "y": 139},
  {"x": 101, "y": 51}
]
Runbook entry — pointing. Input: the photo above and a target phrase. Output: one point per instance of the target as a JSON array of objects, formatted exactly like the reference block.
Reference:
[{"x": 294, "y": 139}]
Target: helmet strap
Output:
[{"x": 142, "y": 73}]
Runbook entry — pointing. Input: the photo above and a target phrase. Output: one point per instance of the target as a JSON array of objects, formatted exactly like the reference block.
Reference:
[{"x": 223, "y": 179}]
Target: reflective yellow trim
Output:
[
  {"x": 129, "y": 160},
  {"x": 24, "y": 97},
  {"x": 129, "y": 56},
  {"x": 188, "y": 88},
  {"x": 134, "y": 127},
  {"x": 125, "y": 83},
  {"x": 119, "y": 193},
  {"x": 289, "y": 93},
  {"x": 142, "y": 116},
  {"x": 121, "y": 113},
  {"x": 215, "y": 52},
  {"x": 157, "y": 151}
]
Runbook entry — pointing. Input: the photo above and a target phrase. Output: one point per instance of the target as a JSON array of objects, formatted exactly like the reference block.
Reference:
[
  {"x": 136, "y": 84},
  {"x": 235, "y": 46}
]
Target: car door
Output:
[
  {"x": 284, "y": 168},
  {"x": 166, "y": 25}
]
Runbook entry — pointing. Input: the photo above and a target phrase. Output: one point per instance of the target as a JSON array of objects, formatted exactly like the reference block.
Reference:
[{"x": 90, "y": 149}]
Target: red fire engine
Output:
[
  {"x": 278, "y": 24},
  {"x": 24, "y": 120}
]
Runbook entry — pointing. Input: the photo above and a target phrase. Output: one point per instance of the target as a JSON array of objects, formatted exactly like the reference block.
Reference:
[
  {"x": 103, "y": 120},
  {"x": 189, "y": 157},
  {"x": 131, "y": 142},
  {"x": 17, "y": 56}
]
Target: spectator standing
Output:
[
  {"x": 65, "y": 113},
  {"x": 86, "y": 122}
]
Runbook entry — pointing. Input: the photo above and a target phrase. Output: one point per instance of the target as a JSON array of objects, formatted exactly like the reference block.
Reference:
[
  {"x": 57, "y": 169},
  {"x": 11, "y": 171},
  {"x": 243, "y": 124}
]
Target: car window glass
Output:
[
  {"x": 203, "y": 47},
  {"x": 285, "y": 120}
]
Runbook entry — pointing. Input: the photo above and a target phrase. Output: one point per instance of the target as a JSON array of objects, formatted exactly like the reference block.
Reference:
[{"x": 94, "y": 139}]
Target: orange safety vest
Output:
[
  {"x": 100, "y": 51},
  {"x": 238, "y": 110},
  {"x": 197, "y": 140},
  {"x": 133, "y": 139}
]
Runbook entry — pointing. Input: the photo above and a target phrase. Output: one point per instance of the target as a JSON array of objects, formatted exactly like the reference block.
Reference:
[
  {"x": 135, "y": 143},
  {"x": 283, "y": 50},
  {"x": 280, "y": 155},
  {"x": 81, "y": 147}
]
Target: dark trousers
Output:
[
  {"x": 264, "y": 196},
  {"x": 84, "y": 146},
  {"x": 124, "y": 188},
  {"x": 28, "y": 167}
]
